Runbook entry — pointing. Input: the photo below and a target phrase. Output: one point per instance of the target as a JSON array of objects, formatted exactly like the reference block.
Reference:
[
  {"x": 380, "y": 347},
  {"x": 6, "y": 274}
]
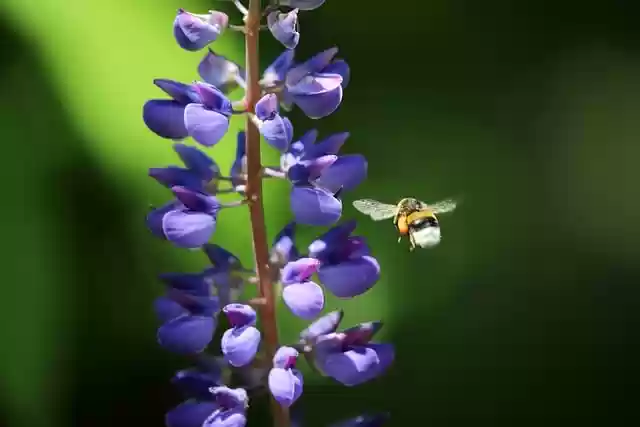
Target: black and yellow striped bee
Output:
[{"x": 411, "y": 217}]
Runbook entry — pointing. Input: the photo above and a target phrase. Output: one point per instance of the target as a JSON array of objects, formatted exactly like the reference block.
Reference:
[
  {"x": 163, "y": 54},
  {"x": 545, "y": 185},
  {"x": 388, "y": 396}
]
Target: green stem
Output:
[{"x": 267, "y": 311}]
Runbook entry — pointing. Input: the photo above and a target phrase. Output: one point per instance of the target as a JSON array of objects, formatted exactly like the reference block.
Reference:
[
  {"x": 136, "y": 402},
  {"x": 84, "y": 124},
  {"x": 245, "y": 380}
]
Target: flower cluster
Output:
[{"x": 218, "y": 388}]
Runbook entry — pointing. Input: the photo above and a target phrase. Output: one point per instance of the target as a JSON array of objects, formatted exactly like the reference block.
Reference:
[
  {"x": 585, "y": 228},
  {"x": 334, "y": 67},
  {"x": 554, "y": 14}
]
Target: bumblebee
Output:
[{"x": 411, "y": 217}]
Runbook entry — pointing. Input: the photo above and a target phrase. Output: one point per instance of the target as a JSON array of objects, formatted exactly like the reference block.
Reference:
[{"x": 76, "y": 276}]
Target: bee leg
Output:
[{"x": 399, "y": 239}]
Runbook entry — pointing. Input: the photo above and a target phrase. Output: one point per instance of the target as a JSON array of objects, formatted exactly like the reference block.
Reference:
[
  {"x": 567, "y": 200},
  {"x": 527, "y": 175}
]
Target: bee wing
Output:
[
  {"x": 378, "y": 211},
  {"x": 443, "y": 206}
]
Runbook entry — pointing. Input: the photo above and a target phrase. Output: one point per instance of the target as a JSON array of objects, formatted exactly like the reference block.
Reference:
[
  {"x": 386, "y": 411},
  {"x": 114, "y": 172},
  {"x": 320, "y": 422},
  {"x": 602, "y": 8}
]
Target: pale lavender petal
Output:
[
  {"x": 226, "y": 418},
  {"x": 188, "y": 229},
  {"x": 339, "y": 66},
  {"x": 386, "y": 356},
  {"x": 205, "y": 126},
  {"x": 299, "y": 270},
  {"x": 284, "y": 26},
  {"x": 315, "y": 64},
  {"x": 221, "y": 72},
  {"x": 347, "y": 173},
  {"x": 276, "y": 72},
  {"x": 315, "y": 206},
  {"x": 194, "y": 32},
  {"x": 319, "y": 106},
  {"x": 287, "y": 160},
  {"x": 330, "y": 343},
  {"x": 316, "y": 84},
  {"x": 213, "y": 99},
  {"x": 165, "y": 118},
  {"x": 155, "y": 217},
  {"x": 355, "y": 366},
  {"x": 307, "y": 171},
  {"x": 324, "y": 325},
  {"x": 285, "y": 385},
  {"x": 230, "y": 397},
  {"x": 305, "y": 300},
  {"x": 240, "y": 345},
  {"x": 285, "y": 357},
  {"x": 240, "y": 315},
  {"x": 267, "y": 107},
  {"x": 278, "y": 132},
  {"x": 350, "y": 278}
]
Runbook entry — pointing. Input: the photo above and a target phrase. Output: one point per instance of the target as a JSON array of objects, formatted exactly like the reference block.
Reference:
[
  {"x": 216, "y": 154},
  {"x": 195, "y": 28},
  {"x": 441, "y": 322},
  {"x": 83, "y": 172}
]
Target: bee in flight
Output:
[{"x": 411, "y": 217}]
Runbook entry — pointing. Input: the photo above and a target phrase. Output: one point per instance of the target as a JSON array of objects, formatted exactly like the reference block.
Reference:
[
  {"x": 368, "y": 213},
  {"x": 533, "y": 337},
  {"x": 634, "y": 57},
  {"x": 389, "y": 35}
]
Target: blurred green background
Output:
[{"x": 527, "y": 313}]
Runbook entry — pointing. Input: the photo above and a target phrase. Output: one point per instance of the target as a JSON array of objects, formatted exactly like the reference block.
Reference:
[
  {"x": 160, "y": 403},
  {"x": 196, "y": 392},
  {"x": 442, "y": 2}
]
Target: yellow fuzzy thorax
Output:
[{"x": 414, "y": 216}]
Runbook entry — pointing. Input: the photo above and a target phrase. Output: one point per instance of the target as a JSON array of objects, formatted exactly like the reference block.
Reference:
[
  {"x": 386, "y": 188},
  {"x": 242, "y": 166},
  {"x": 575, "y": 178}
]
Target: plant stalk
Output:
[{"x": 267, "y": 311}]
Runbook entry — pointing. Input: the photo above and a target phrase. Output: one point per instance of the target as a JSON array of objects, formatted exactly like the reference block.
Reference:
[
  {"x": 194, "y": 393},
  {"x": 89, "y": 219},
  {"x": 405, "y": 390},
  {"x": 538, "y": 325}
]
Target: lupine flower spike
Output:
[{"x": 250, "y": 357}]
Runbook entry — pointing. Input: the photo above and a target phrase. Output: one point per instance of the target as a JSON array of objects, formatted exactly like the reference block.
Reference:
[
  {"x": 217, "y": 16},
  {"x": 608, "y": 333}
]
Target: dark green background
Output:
[{"x": 527, "y": 314}]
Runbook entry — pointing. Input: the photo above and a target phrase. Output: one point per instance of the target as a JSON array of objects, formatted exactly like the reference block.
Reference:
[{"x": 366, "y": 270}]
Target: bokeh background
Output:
[{"x": 527, "y": 313}]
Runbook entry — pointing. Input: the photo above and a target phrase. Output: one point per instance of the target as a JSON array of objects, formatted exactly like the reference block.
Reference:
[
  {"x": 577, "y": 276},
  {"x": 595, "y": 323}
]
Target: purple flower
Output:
[
  {"x": 284, "y": 27},
  {"x": 307, "y": 172},
  {"x": 194, "y": 32},
  {"x": 199, "y": 172},
  {"x": 221, "y": 72},
  {"x": 240, "y": 343},
  {"x": 283, "y": 249},
  {"x": 346, "y": 173},
  {"x": 226, "y": 408},
  {"x": 277, "y": 130},
  {"x": 322, "y": 326},
  {"x": 350, "y": 358},
  {"x": 308, "y": 162},
  {"x": 316, "y": 85},
  {"x": 315, "y": 206},
  {"x": 223, "y": 281},
  {"x": 285, "y": 381},
  {"x": 187, "y": 312},
  {"x": 239, "y": 167},
  {"x": 329, "y": 145},
  {"x": 199, "y": 110},
  {"x": 346, "y": 268},
  {"x": 208, "y": 121},
  {"x": 302, "y": 4},
  {"x": 226, "y": 274},
  {"x": 166, "y": 117},
  {"x": 275, "y": 74},
  {"x": 188, "y": 222},
  {"x": 196, "y": 382},
  {"x": 304, "y": 297}
]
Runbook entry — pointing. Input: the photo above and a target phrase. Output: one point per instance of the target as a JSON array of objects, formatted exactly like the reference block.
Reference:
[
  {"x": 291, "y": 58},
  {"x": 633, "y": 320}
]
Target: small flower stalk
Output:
[{"x": 219, "y": 387}]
